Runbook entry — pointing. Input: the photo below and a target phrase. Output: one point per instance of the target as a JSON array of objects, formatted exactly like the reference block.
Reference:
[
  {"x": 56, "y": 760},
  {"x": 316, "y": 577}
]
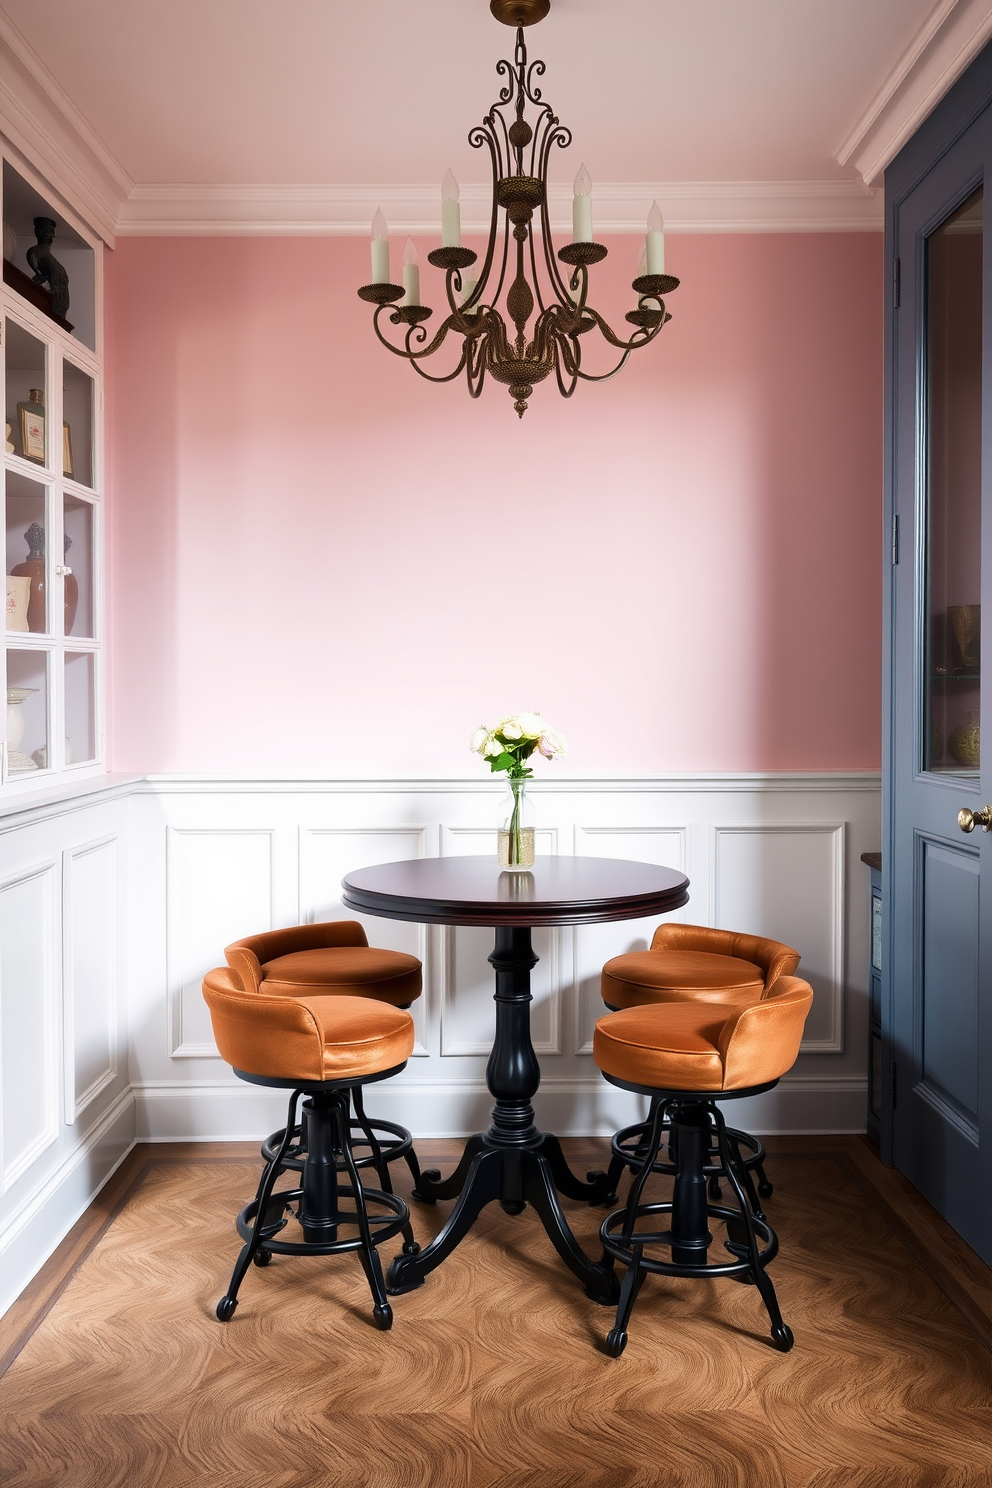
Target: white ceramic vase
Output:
[
  {"x": 18, "y": 594},
  {"x": 16, "y": 759}
]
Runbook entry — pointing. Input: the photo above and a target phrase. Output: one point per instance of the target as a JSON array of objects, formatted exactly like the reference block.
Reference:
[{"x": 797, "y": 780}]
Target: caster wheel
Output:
[
  {"x": 411, "y": 1248},
  {"x": 225, "y": 1308},
  {"x": 262, "y": 1257},
  {"x": 765, "y": 1189},
  {"x": 716, "y": 1192},
  {"x": 782, "y": 1338},
  {"x": 616, "y": 1342},
  {"x": 512, "y": 1206},
  {"x": 383, "y": 1317}
]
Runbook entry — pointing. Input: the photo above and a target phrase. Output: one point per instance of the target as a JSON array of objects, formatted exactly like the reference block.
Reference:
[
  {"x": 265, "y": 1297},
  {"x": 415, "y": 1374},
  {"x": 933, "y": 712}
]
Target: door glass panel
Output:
[
  {"x": 80, "y": 707},
  {"x": 951, "y": 692},
  {"x": 26, "y": 525},
  {"x": 27, "y": 712},
  {"x": 77, "y": 586},
  {"x": 77, "y": 425},
  {"x": 25, "y": 394}
]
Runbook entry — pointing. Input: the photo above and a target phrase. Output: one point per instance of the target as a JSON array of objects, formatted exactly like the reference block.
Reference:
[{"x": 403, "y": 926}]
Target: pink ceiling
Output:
[{"x": 322, "y": 91}]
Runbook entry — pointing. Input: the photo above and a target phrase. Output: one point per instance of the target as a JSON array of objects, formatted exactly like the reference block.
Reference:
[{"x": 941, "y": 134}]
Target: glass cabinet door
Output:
[
  {"x": 78, "y": 579},
  {"x": 77, "y": 424},
  {"x": 28, "y": 712},
  {"x": 26, "y": 394},
  {"x": 26, "y": 526},
  {"x": 953, "y": 492}
]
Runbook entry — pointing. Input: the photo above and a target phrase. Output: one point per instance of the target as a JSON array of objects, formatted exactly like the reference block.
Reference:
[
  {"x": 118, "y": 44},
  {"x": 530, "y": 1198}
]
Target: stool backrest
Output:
[
  {"x": 775, "y": 958},
  {"x": 761, "y": 1042},
  {"x": 274, "y": 1036},
  {"x": 248, "y": 956}
]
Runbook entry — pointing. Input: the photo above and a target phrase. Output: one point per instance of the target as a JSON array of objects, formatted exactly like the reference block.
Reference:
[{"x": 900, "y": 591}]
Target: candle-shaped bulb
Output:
[
  {"x": 451, "y": 213},
  {"x": 654, "y": 243},
  {"x": 411, "y": 273},
  {"x": 380, "y": 249},
  {"x": 582, "y": 207}
]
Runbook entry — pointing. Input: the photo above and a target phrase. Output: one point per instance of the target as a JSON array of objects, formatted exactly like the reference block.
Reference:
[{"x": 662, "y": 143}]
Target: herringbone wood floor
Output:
[{"x": 492, "y": 1376}]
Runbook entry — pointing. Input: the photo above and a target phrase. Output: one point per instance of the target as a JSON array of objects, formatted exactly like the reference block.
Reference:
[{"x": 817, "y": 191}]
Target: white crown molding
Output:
[
  {"x": 620, "y": 207},
  {"x": 953, "y": 33},
  {"x": 45, "y": 127}
]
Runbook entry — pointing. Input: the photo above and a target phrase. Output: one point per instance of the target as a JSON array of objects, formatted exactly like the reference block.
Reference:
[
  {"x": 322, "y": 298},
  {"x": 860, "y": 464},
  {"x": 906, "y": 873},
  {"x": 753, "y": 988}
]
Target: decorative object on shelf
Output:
[
  {"x": 31, "y": 418},
  {"x": 9, "y": 243},
  {"x": 70, "y": 589},
  {"x": 34, "y": 568},
  {"x": 35, "y": 294},
  {"x": 507, "y": 746},
  {"x": 967, "y": 623},
  {"x": 47, "y": 269},
  {"x": 519, "y": 152},
  {"x": 18, "y": 594},
  {"x": 66, "y": 451},
  {"x": 17, "y": 762},
  {"x": 10, "y": 442},
  {"x": 964, "y": 743}
]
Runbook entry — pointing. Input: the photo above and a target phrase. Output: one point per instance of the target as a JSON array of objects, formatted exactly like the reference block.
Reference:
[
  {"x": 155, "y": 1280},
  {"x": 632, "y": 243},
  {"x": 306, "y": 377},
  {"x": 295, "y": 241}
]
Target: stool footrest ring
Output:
[{"x": 630, "y": 1252}]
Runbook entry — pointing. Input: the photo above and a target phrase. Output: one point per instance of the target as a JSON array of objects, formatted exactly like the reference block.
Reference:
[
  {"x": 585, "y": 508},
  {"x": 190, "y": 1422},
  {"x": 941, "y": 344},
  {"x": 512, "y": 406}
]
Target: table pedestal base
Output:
[{"x": 512, "y": 1162}]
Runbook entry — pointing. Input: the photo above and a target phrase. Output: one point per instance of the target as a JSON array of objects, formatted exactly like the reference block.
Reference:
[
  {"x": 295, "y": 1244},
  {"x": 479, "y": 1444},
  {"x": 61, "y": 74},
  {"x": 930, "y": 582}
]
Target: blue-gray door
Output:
[{"x": 938, "y": 877}]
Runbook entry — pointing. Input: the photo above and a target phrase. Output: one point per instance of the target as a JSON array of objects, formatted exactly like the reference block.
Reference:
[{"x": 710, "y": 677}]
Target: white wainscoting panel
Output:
[
  {"x": 91, "y": 952},
  {"x": 327, "y": 854},
  {"x": 594, "y": 945},
  {"x": 787, "y": 882},
  {"x": 28, "y": 999},
  {"x": 219, "y": 889}
]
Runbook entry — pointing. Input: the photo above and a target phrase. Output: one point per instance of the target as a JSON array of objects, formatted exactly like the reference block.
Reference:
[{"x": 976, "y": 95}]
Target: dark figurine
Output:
[{"x": 47, "y": 269}]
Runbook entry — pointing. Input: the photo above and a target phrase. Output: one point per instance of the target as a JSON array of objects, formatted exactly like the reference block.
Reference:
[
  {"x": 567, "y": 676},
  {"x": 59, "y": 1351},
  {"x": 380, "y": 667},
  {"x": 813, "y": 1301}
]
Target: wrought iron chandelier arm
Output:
[
  {"x": 643, "y": 336},
  {"x": 563, "y": 354},
  {"x": 554, "y": 134},
  {"x": 448, "y": 376},
  {"x": 414, "y": 333}
]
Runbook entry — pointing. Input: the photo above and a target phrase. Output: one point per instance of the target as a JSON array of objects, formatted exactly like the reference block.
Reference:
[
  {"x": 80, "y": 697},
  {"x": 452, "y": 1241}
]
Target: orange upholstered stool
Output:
[
  {"x": 333, "y": 959},
  {"x": 693, "y": 963},
  {"x": 688, "y": 1057},
  {"x": 327, "y": 1049}
]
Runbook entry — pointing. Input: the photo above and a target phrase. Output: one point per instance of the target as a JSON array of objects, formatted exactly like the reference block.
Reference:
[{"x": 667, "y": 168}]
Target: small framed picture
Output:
[
  {"x": 32, "y": 427},
  {"x": 66, "y": 450}
]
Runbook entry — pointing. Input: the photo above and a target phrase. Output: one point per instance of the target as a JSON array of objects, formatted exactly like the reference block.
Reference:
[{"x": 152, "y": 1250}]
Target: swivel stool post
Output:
[
  {"x": 687, "y": 1059},
  {"x": 695, "y": 963},
  {"x": 333, "y": 959},
  {"x": 324, "y": 1048}
]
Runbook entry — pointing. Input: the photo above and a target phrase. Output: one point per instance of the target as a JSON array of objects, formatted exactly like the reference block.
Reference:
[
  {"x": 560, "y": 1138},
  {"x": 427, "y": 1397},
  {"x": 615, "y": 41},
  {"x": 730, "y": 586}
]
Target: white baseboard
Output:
[
  {"x": 453, "y": 1108},
  {"x": 34, "y": 1230}
]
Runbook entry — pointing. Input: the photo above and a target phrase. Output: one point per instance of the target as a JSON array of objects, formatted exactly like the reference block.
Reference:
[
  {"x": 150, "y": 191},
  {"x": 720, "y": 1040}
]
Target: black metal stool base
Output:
[
  {"x": 317, "y": 1203},
  {"x": 630, "y": 1145},
  {"x": 690, "y": 1120},
  {"x": 386, "y": 1141}
]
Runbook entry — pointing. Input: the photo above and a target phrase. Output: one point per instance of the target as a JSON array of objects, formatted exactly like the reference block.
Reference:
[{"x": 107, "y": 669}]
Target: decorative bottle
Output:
[{"x": 33, "y": 568}]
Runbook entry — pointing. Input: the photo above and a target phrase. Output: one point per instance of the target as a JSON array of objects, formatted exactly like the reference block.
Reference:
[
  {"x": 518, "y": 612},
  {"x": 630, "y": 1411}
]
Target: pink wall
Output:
[{"x": 320, "y": 565}]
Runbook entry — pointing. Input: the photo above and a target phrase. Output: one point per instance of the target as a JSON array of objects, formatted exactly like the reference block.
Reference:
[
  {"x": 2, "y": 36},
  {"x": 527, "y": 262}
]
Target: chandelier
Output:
[{"x": 519, "y": 149}]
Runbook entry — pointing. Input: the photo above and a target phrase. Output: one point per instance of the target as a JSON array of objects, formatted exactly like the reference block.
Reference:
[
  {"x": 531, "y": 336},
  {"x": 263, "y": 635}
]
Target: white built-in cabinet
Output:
[{"x": 53, "y": 486}]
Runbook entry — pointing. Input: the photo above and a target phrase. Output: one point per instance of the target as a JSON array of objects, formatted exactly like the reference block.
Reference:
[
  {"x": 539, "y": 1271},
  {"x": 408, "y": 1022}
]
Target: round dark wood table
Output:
[{"x": 512, "y": 1162}]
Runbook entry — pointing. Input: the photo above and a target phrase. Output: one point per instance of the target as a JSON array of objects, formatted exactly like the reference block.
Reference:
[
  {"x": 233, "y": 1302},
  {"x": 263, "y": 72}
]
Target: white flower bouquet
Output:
[{"x": 507, "y": 746}]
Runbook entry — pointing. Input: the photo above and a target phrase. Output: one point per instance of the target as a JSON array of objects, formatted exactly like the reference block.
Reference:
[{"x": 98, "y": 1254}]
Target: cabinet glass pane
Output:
[
  {"x": 952, "y": 563},
  {"x": 25, "y": 527},
  {"x": 80, "y": 707},
  {"x": 78, "y": 586},
  {"x": 27, "y": 712},
  {"x": 77, "y": 416},
  {"x": 26, "y": 393}
]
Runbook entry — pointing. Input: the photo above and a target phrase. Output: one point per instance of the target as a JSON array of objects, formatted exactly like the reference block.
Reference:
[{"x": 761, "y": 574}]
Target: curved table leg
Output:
[
  {"x": 596, "y": 1191},
  {"x": 430, "y": 1189},
  {"x": 482, "y": 1184},
  {"x": 600, "y": 1281}
]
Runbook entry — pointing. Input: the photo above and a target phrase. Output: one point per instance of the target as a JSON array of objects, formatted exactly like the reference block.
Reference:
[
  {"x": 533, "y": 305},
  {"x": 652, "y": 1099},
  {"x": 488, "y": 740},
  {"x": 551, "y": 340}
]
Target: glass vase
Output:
[{"x": 516, "y": 829}]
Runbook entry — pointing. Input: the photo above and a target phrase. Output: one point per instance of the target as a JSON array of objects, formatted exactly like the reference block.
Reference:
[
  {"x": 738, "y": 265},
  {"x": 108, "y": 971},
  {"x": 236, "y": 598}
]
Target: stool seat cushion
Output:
[
  {"x": 352, "y": 971},
  {"x": 307, "y": 1039},
  {"x": 705, "y": 1045},
  {"x": 671, "y": 976},
  {"x": 678, "y": 1051}
]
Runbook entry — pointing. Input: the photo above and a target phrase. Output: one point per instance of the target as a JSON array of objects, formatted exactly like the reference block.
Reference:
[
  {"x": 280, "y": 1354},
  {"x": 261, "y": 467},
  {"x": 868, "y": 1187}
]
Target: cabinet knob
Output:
[
  {"x": 60, "y": 568},
  {"x": 969, "y": 820}
]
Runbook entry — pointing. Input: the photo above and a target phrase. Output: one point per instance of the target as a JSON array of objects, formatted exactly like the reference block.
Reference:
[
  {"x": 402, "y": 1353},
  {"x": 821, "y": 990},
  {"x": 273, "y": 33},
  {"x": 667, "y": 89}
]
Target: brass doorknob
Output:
[{"x": 969, "y": 820}]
